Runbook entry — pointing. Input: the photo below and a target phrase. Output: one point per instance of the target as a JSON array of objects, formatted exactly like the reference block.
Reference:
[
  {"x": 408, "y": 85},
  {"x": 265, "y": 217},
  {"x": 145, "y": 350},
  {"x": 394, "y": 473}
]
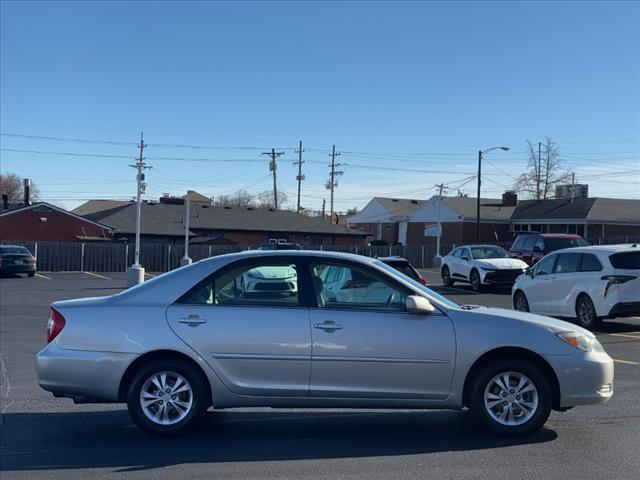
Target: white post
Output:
[
  {"x": 186, "y": 260},
  {"x": 437, "y": 260},
  {"x": 135, "y": 273},
  {"x": 82, "y": 257}
]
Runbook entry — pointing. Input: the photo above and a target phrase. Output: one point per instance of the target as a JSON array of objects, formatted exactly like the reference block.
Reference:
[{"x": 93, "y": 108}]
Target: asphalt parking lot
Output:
[{"x": 45, "y": 437}]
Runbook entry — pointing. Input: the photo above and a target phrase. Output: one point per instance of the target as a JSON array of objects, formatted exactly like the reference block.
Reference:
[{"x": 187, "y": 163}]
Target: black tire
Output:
[
  {"x": 474, "y": 278},
  {"x": 199, "y": 395},
  {"x": 515, "y": 366},
  {"x": 520, "y": 302},
  {"x": 32, "y": 274},
  {"x": 446, "y": 277},
  {"x": 586, "y": 313}
]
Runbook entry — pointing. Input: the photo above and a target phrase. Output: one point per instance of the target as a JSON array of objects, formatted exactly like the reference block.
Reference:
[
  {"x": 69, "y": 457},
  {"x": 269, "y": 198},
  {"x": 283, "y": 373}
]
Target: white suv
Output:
[{"x": 585, "y": 283}]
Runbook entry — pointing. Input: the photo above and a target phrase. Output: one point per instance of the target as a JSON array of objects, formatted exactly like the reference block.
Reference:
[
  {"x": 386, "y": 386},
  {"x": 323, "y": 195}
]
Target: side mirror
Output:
[
  {"x": 529, "y": 271},
  {"x": 419, "y": 305}
]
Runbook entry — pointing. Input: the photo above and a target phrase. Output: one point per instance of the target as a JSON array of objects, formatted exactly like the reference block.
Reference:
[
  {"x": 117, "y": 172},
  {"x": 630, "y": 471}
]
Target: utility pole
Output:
[
  {"x": 539, "y": 176},
  {"x": 324, "y": 202},
  {"x": 187, "y": 216},
  {"x": 135, "y": 273},
  {"x": 300, "y": 176},
  {"x": 573, "y": 186},
  {"x": 273, "y": 167},
  {"x": 437, "y": 259},
  {"x": 333, "y": 182},
  {"x": 478, "y": 199}
]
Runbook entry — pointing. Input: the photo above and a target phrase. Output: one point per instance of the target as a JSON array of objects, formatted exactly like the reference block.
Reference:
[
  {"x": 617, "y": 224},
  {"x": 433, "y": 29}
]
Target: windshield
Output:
[
  {"x": 558, "y": 243},
  {"x": 21, "y": 250},
  {"x": 482, "y": 253},
  {"x": 436, "y": 296}
]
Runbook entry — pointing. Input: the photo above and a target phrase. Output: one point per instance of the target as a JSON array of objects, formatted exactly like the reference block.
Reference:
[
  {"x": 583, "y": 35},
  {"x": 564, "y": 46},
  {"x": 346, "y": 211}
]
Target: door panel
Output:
[
  {"x": 381, "y": 354},
  {"x": 254, "y": 350}
]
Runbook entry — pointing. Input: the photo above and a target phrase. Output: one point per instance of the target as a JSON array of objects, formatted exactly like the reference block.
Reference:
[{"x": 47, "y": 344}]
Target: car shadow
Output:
[
  {"x": 108, "y": 439},
  {"x": 465, "y": 289},
  {"x": 617, "y": 326}
]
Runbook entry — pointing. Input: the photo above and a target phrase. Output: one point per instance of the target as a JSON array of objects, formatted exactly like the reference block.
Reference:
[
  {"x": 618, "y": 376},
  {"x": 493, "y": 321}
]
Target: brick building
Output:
[{"x": 43, "y": 222}]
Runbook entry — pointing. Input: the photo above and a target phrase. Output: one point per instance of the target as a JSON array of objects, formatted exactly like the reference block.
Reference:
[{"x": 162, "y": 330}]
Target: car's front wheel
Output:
[
  {"x": 586, "y": 313},
  {"x": 166, "y": 397},
  {"x": 476, "y": 284},
  {"x": 511, "y": 397}
]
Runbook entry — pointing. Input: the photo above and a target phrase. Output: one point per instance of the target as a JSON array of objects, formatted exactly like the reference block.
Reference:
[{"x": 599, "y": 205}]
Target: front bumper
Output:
[
  {"x": 501, "y": 277},
  {"x": 624, "y": 309},
  {"x": 80, "y": 373},
  {"x": 585, "y": 378}
]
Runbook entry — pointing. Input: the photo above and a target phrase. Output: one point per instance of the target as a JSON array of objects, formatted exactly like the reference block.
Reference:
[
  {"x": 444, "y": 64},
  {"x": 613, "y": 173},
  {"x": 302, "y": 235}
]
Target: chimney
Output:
[
  {"x": 509, "y": 198},
  {"x": 5, "y": 201},
  {"x": 27, "y": 191}
]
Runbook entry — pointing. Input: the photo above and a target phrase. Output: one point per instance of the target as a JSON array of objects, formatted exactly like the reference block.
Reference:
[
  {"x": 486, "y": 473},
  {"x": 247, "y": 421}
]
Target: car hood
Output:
[
  {"x": 552, "y": 324},
  {"x": 502, "y": 263}
]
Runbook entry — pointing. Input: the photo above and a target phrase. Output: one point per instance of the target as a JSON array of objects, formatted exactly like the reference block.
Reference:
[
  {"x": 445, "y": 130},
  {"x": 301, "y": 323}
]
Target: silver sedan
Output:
[{"x": 193, "y": 338}]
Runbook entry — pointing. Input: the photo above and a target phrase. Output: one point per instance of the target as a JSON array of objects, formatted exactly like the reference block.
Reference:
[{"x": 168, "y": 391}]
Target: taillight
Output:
[
  {"x": 54, "y": 325},
  {"x": 616, "y": 280},
  {"x": 422, "y": 280}
]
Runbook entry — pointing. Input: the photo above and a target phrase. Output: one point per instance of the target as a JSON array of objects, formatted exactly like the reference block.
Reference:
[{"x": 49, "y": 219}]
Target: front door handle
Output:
[
  {"x": 193, "y": 320},
  {"x": 328, "y": 326}
]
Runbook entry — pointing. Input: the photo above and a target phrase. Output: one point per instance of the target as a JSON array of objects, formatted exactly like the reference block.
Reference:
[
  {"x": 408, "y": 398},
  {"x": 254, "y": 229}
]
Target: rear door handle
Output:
[
  {"x": 193, "y": 320},
  {"x": 328, "y": 326}
]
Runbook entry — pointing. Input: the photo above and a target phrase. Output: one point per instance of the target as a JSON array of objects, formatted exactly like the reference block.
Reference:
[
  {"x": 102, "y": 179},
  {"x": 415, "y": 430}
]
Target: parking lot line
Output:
[
  {"x": 42, "y": 276},
  {"x": 626, "y": 362},
  {"x": 96, "y": 275},
  {"x": 626, "y": 335}
]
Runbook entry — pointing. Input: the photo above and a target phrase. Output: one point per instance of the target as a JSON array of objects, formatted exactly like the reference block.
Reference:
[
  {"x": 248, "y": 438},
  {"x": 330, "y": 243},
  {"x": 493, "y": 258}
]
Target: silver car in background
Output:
[{"x": 190, "y": 339}]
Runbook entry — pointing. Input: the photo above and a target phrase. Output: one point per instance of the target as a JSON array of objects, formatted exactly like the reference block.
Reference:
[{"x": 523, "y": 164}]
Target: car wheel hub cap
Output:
[
  {"x": 166, "y": 398},
  {"x": 511, "y": 398}
]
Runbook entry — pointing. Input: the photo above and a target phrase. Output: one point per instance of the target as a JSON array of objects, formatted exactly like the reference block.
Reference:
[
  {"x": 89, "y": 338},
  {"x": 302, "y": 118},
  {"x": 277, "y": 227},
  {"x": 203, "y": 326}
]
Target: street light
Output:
[{"x": 480, "y": 153}]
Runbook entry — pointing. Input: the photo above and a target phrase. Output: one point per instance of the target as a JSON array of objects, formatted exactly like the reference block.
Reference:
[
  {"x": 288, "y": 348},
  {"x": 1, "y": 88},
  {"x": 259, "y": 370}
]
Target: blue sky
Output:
[{"x": 408, "y": 92}]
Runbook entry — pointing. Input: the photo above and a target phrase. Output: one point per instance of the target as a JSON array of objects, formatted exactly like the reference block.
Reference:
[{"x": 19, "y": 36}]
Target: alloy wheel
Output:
[
  {"x": 511, "y": 398},
  {"x": 166, "y": 398}
]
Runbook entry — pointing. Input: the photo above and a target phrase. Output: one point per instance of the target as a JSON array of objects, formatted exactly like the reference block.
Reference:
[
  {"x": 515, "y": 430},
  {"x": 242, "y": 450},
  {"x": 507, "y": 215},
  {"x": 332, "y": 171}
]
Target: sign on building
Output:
[{"x": 432, "y": 230}]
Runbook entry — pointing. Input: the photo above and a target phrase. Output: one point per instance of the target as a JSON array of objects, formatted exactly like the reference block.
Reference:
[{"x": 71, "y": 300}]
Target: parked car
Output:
[
  {"x": 481, "y": 265},
  {"x": 189, "y": 339},
  {"x": 531, "y": 247},
  {"x": 586, "y": 284},
  {"x": 403, "y": 265},
  {"x": 279, "y": 246},
  {"x": 17, "y": 259},
  {"x": 277, "y": 279}
]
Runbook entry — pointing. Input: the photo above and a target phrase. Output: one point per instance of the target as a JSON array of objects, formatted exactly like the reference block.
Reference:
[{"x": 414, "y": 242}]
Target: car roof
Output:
[
  {"x": 300, "y": 253},
  {"x": 559, "y": 235},
  {"x": 480, "y": 245},
  {"x": 601, "y": 249}
]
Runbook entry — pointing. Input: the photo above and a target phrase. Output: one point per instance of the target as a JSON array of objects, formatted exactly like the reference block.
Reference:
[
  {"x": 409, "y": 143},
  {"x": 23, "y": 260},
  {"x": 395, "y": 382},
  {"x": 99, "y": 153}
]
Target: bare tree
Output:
[
  {"x": 13, "y": 186},
  {"x": 265, "y": 199},
  {"x": 241, "y": 198},
  {"x": 545, "y": 170}
]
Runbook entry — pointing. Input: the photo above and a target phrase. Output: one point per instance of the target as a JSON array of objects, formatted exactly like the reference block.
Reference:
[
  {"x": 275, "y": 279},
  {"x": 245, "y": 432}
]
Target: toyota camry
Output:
[{"x": 192, "y": 339}]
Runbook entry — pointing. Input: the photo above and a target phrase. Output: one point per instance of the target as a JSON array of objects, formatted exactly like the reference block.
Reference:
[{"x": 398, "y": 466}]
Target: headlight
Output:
[
  {"x": 581, "y": 341},
  {"x": 488, "y": 269}
]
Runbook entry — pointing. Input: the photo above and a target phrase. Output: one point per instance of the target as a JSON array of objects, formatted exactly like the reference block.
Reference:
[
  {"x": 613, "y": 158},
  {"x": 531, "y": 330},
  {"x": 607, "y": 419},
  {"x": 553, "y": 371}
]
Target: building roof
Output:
[
  {"x": 167, "y": 219},
  {"x": 399, "y": 206},
  {"x": 491, "y": 209},
  {"x": 590, "y": 209}
]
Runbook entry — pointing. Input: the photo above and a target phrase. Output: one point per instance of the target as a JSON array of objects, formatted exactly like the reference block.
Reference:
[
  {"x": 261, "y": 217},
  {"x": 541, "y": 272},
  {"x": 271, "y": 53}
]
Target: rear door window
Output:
[
  {"x": 567, "y": 263},
  {"x": 625, "y": 260},
  {"x": 590, "y": 263}
]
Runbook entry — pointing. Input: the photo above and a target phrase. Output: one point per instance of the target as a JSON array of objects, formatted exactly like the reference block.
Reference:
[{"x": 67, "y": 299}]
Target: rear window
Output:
[
  {"x": 558, "y": 243},
  {"x": 10, "y": 250},
  {"x": 404, "y": 267},
  {"x": 625, "y": 260}
]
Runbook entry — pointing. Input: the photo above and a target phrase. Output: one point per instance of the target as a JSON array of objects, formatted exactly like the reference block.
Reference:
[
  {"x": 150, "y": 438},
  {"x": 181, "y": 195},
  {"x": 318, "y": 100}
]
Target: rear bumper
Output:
[
  {"x": 21, "y": 268},
  {"x": 624, "y": 309},
  {"x": 81, "y": 374},
  {"x": 585, "y": 378}
]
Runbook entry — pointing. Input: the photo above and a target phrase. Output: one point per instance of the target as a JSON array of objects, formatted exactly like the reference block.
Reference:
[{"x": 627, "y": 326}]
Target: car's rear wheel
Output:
[
  {"x": 446, "y": 277},
  {"x": 32, "y": 274},
  {"x": 166, "y": 397},
  {"x": 586, "y": 313},
  {"x": 520, "y": 302},
  {"x": 476, "y": 284},
  {"x": 511, "y": 397}
]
